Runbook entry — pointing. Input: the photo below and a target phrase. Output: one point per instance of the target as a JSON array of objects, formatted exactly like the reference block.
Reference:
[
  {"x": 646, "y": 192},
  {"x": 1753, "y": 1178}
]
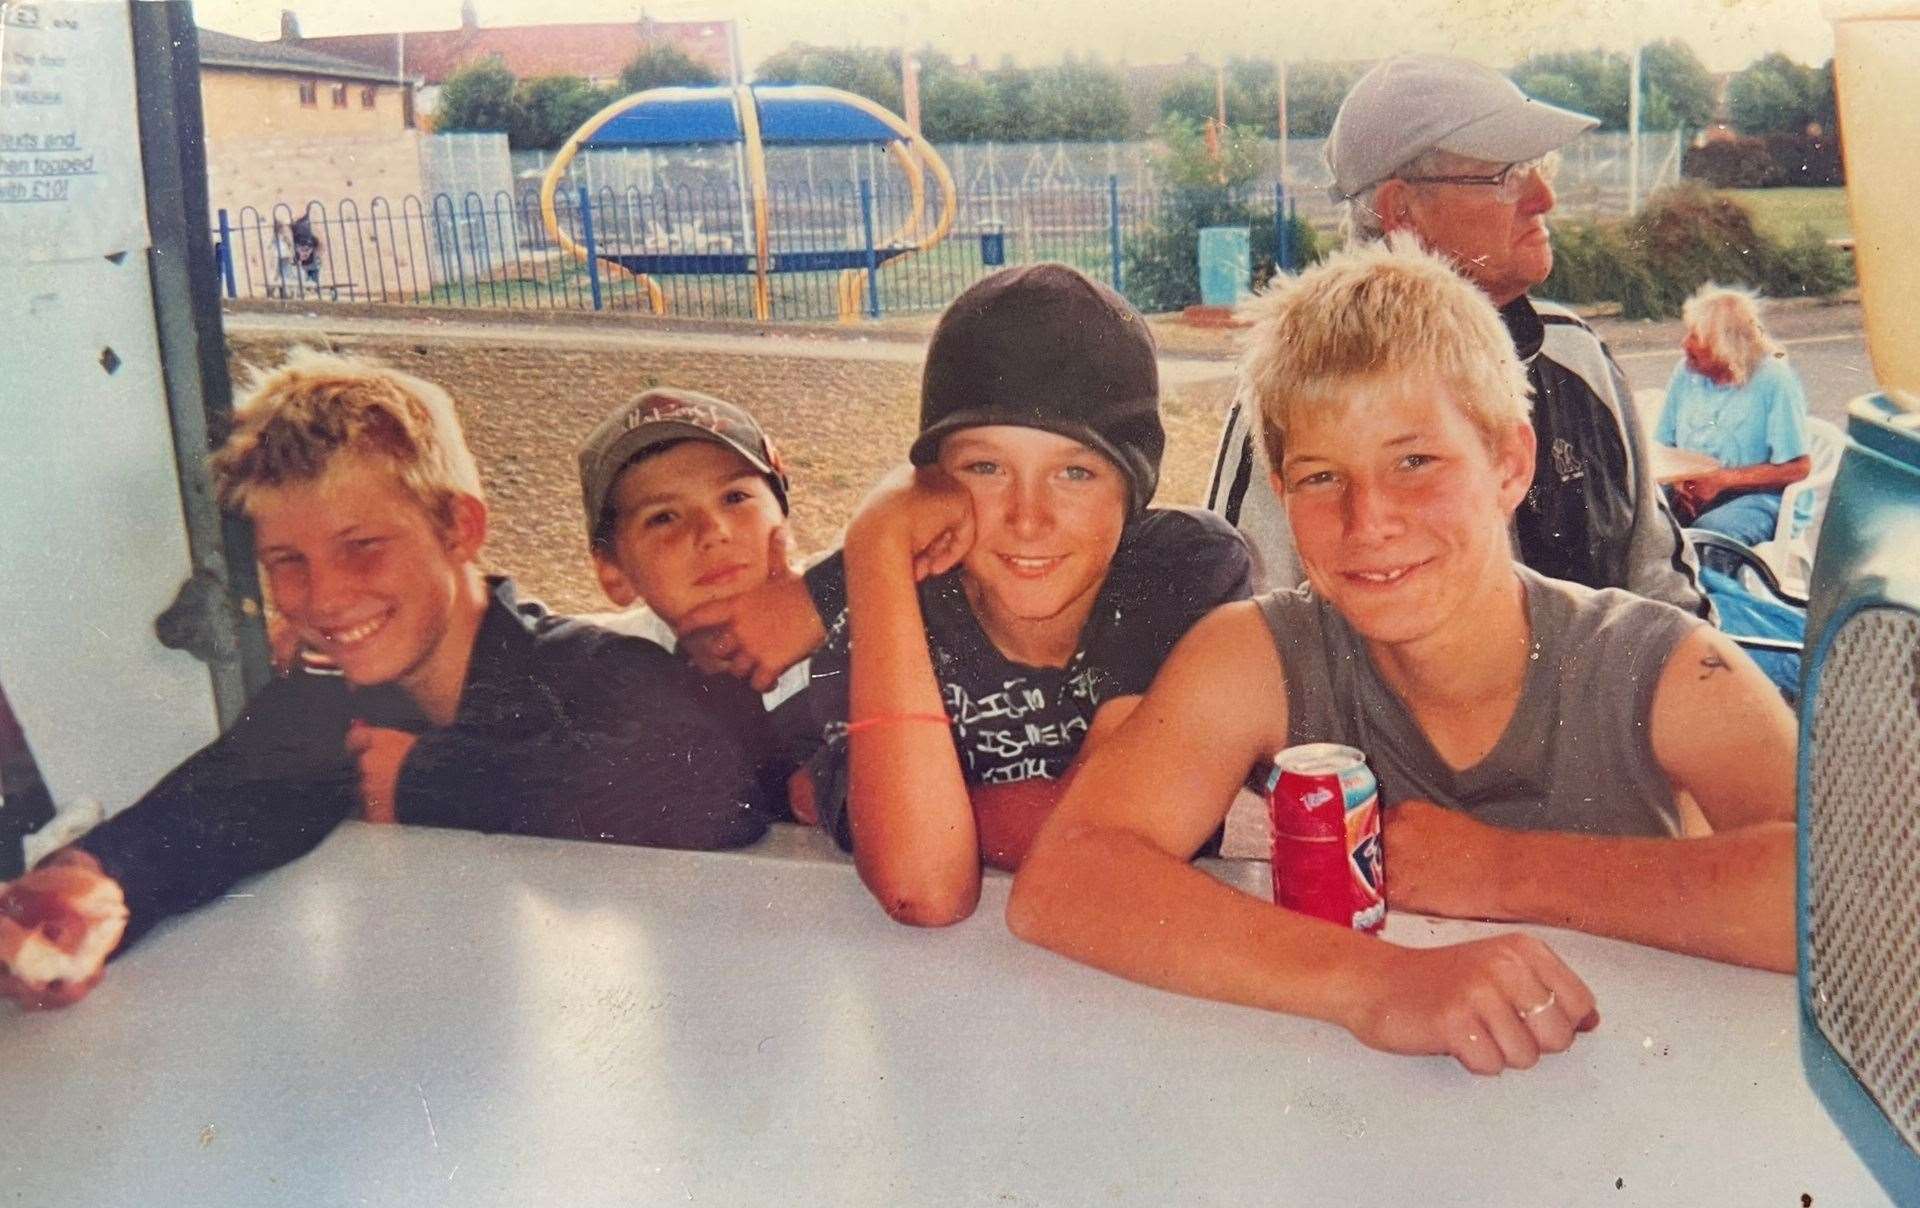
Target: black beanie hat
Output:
[{"x": 1043, "y": 346}]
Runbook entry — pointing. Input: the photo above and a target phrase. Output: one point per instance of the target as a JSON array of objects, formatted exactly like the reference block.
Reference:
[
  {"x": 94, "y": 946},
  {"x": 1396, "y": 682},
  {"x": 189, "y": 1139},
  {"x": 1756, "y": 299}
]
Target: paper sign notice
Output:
[{"x": 70, "y": 179}]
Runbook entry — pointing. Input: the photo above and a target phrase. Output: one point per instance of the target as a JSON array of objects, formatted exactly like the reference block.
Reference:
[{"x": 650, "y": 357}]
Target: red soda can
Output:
[{"x": 1327, "y": 857}]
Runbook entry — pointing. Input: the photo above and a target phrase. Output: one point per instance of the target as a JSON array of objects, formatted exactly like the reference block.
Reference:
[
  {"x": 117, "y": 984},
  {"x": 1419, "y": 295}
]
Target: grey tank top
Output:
[{"x": 1578, "y": 752}]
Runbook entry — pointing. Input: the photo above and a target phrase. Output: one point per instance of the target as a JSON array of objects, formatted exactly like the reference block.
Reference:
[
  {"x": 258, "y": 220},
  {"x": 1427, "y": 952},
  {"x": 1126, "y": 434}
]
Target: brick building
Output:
[
  {"x": 288, "y": 126},
  {"x": 595, "y": 50}
]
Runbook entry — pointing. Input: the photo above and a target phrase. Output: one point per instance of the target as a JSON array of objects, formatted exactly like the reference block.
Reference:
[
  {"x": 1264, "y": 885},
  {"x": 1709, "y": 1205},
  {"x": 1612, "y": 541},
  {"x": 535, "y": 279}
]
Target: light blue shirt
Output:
[{"x": 1763, "y": 422}]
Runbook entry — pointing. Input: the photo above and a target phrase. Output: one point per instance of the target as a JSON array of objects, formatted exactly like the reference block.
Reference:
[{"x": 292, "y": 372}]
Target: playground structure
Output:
[{"x": 752, "y": 118}]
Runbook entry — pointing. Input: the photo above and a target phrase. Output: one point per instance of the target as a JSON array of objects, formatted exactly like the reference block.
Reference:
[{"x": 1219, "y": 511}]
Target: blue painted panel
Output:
[
  {"x": 816, "y": 262},
  {"x": 667, "y": 264},
  {"x": 681, "y": 117},
  {"x": 785, "y": 118}
]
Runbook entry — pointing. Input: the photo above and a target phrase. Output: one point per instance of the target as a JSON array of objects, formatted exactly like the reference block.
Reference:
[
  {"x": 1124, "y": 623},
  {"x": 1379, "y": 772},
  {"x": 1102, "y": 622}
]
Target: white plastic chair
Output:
[
  {"x": 1825, "y": 443},
  {"x": 1790, "y": 552}
]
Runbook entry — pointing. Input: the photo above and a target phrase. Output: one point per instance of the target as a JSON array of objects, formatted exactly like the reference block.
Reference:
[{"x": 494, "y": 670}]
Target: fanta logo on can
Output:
[
  {"x": 1367, "y": 862},
  {"x": 1313, "y": 799}
]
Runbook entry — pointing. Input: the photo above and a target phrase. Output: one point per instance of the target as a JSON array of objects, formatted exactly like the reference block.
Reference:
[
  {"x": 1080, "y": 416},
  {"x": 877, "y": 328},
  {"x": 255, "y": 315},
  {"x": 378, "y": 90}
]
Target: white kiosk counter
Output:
[{"x": 412, "y": 1016}]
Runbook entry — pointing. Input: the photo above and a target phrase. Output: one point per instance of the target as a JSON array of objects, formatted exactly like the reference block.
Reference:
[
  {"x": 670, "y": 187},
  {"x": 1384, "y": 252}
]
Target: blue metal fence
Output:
[{"x": 693, "y": 244}]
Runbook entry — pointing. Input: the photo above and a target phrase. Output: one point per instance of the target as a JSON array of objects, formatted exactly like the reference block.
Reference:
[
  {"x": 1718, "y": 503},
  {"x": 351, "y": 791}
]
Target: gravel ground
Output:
[{"x": 840, "y": 424}]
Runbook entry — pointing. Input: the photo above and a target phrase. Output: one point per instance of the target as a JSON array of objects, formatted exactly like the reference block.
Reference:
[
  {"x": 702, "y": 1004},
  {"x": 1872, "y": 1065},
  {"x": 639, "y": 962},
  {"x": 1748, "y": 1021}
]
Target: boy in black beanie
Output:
[{"x": 1005, "y": 595}]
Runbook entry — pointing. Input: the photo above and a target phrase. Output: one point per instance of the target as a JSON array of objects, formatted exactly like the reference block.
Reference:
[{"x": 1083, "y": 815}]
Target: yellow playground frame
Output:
[{"x": 915, "y": 157}]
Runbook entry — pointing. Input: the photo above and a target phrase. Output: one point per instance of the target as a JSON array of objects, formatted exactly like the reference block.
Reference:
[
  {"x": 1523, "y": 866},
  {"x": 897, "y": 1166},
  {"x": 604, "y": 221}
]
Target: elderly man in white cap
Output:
[{"x": 1455, "y": 153}]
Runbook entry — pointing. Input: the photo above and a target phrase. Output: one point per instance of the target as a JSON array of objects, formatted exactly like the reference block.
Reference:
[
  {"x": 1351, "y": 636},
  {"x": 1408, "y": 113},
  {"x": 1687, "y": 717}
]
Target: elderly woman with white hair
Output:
[{"x": 1734, "y": 397}]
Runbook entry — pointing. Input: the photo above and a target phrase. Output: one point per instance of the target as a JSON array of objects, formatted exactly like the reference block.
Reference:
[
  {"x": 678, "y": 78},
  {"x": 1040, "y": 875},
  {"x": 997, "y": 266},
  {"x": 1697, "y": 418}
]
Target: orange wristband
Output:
[{"x": 887, "y": 719}]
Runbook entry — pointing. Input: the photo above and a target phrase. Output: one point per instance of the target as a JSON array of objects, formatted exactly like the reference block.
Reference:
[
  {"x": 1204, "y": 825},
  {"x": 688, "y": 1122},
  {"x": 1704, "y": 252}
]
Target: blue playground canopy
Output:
[
  {"x": 754, "y": 118},
  {"x": 790, "y": 115}
]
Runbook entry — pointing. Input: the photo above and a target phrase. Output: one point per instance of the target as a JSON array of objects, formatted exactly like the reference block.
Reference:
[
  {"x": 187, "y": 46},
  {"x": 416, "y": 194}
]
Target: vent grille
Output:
[{"x": 1863, "y": 858}]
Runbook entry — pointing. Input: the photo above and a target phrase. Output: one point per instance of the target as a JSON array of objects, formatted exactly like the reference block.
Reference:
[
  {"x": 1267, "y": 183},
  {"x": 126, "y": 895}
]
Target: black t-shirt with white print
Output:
[{"x": 1014, "y": 722}]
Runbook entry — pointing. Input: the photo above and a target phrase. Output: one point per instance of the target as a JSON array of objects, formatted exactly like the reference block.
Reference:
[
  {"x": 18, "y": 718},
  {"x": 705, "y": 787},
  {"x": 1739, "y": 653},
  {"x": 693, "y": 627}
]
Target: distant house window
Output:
[
  {"x": 367, "y": 95},
  {"x": 309, "y": 93},
  {"x": 406, "y": 107},
  {"x": 339, "y": 96}
]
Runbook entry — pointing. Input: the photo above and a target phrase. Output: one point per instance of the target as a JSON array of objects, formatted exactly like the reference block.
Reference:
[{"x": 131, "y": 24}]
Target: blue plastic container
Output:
[{"x": 1859, "y": 801}]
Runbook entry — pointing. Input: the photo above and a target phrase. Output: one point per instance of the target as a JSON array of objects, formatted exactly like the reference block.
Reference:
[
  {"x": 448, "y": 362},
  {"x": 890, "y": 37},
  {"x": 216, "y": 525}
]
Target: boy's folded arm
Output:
[
  {"x": 1108, "y": 880},
  {"x": 647, "y": 752},
  {"x": 915, "y": 841},
  {"x": 261, "y": 795},
  {"x": 1108, "y": 883}
]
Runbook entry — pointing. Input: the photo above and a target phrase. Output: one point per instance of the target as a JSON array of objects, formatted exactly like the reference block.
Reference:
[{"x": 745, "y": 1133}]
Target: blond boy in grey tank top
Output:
[
  {"x": 1534, "y": 739},
  {"x": 1577, "y": 753}
]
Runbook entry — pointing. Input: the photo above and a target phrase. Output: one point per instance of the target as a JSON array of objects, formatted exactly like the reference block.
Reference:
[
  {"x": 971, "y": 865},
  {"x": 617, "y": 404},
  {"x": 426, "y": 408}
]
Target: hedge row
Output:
[
  {"x": 1685, "y": 237},
  {"x": 1766, "y": 162}
]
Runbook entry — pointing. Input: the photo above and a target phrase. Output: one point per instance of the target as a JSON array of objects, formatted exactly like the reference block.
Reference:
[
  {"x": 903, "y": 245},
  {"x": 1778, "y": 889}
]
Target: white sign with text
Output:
[{"x": 70, "y": 176}]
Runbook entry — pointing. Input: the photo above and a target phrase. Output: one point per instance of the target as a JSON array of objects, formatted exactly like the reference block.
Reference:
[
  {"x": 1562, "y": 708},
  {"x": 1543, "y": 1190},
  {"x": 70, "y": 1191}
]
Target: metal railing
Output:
[{"x": 692, "y": 243}]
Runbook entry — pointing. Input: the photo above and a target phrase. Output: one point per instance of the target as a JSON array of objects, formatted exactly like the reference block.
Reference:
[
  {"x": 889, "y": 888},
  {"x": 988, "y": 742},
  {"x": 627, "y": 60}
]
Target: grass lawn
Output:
[{"x": 1782, "y": 212}]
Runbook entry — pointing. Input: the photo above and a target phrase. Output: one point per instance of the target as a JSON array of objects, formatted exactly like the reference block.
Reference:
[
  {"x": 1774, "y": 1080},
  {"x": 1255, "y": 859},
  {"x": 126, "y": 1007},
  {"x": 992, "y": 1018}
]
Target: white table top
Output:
[
  {"x": 433, "y": 1017},
  {"x": 1677, "y": 465}
]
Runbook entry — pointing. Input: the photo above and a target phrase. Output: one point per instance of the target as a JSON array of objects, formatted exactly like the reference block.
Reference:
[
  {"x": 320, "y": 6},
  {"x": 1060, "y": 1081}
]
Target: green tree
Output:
[
  {"x": 1252, "y": 89},
  {"x": 1674, "y": 76},
  {"x": 1777, "y": 95},
  {"x": 548, "y": 110},
  {"x": 864, "y": 71},
  {"x": 663, "y": 66},
  {"x": 1079, "y": 102},
  {"x": 1676, "y": 89},
  {"x": 1012, "y": 87},
  {"x": 477, "y": 97},
  {"x": 1314, "y": 93},
  {"x": 1183, "y": 161},
  {"x": 958, "y": 108},
  {"x": 1588, "y": 81},
  {"x": 1162, "y": 266}
]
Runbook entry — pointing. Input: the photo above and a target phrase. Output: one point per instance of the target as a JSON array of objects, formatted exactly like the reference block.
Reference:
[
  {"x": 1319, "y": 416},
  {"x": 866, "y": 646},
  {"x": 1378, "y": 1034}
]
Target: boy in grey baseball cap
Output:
[{"x": 686, "y": 505}]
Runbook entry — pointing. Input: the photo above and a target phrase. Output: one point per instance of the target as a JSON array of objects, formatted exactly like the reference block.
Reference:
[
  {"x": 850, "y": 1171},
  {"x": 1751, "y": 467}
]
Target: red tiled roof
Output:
[
  {"x": 597, "y": 51},
  {"x": 225, "y": 50}
]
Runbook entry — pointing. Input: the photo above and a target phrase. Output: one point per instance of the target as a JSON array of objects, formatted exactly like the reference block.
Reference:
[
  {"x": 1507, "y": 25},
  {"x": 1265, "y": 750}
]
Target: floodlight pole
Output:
[
  {"x": 1633, "y": 128},
  {"x": 1280, "y": 70},
  {"x": 742, "y": 97}
]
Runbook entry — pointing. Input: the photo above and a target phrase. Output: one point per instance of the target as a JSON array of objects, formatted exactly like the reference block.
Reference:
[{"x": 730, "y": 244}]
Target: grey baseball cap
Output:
[
  {"x": 1413, "y": 104},
  {"x": 665, "y": 416}
]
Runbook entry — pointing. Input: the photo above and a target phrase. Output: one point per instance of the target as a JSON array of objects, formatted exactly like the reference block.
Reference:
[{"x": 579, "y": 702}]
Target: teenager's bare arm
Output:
[
  {"x": 1704, "y": 491},
  {"x": 1108, "y": 883},
  {"x": 1723, "y": 735},
  {"x": 913, "y": 829}
]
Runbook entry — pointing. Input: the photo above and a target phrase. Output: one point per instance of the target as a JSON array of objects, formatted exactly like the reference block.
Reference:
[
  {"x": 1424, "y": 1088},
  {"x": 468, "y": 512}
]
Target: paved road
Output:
[
  {"x": 1826, "y": 343},
  {"x": 1180, "y": 370}
]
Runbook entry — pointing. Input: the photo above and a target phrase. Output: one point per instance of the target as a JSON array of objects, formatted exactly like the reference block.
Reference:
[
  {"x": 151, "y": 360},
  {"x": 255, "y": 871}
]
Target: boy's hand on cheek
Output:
[
  {"x": 924, "y": 512},
  {"x": 756, "y": 635},
  {"x": 379, "y": 752}
]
